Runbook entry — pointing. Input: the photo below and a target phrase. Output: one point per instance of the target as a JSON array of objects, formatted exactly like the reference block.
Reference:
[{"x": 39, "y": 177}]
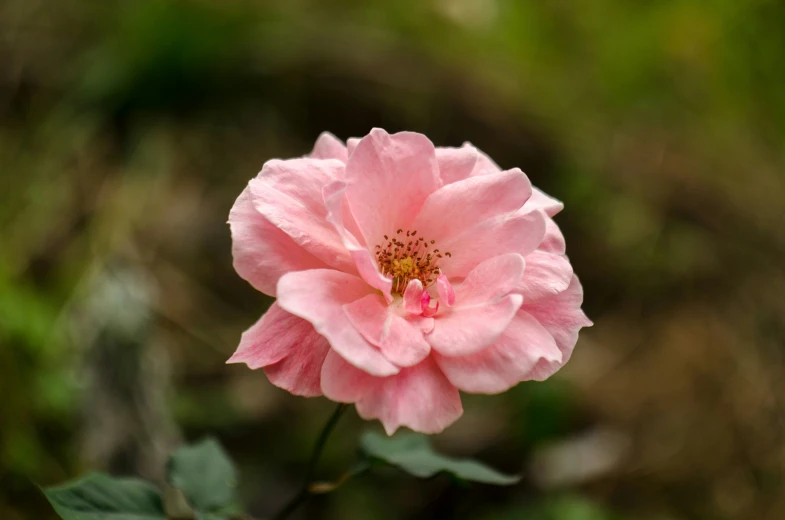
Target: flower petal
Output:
[
  {"x": 490, "y": 280},
  {"x": 340, "y": 217},
  {"x": 413, "y": 297},
  {"x": 300, "y": 372},
  {"x": 546, "y": 274},
  {"x": 288, "y": 347},
  {"x": 511, "y": 233},
  {"x": 419, "y": 397},
  {"x": 463, "y": 331},
  {"x": 289, "y": 194},
  {"x": 540, "y": 200},
  {"x": 553, "y": 242},
  {"x": 445, "y": 290},
  {"x": 451, "y": 210},
  {"x": 329, "y": 147},
  {"x": 388, "y": 179},
  {"x": 562, "y": 317},
  {"x": 456, "y": 164},
  {"x": 262, "y": 253},
  {"x": 399, "y": 340},
  {"x": 496, "y": 369},
  {"x": 318, "y": 296}
]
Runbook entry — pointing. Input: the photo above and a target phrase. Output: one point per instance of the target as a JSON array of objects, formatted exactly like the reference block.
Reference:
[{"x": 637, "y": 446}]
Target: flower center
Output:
[{"x": 406, "y": 257}]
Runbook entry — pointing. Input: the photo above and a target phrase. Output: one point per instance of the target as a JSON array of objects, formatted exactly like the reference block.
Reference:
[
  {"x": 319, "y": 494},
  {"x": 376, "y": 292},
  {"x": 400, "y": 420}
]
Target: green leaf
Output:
[
  {"x": 206, "y": 476},
  {"x": 101, "y": 497},
  {"x": 413, "y": 453}
]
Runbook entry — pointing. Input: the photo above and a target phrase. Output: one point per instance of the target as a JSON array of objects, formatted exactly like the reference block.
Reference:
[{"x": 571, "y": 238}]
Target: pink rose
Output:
[{"x": 404, "y": 273}]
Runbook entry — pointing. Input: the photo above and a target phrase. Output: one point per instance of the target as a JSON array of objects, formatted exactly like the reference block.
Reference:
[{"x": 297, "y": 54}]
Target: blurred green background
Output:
[{"x": 128, "y": 128}]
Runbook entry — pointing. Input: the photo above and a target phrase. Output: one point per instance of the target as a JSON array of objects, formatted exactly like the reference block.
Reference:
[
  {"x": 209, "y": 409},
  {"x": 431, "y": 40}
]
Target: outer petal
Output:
[
  {"x": 512, "y": 359},
  {"x": 399, "y": 339},
  {"x": 449, "y": 211},
  {"x": 512, "y": 233},
  {"x": 562, "y": 317},
  {"x": 546, "y": 274},
  {"x": 540, "y": 200},
  {"x": 554, "y": 239},
  {"x": 329, "y": 147},
  {"x": 388, "y": 179},
  {"x": 288, "y": 347},
  {"x": 456, "y": 164},
  {"x": 263, "y": 253},
  {"x": 289, "y": 194},
  {"x": 419, "y": 397},
  {"x": 317, "y": 296}
]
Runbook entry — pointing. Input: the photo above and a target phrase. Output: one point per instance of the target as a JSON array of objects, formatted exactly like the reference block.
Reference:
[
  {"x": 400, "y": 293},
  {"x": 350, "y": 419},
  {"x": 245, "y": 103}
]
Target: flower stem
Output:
[{"x": 304, "y": 494}]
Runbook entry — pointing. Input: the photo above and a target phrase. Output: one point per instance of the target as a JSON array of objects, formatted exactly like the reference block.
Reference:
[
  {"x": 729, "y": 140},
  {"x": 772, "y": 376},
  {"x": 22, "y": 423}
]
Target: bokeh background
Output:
[{"x": 128, "y": 128}]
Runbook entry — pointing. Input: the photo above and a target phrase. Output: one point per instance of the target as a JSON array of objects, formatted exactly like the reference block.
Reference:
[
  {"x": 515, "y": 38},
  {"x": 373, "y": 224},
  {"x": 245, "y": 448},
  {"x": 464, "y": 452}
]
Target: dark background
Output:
[{"x": 127, "y": 129}]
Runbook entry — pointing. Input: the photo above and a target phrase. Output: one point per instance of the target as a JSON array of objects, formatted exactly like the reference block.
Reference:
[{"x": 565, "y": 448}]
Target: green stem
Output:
[{"x": 304, "y": 494}]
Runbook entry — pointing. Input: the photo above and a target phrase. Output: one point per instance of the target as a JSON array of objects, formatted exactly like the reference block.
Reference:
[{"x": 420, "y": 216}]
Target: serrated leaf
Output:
[
  {"x": 206, "y": 476},
  {"x": 101, "y": 497},
  {"x": 413, "y": 453}
]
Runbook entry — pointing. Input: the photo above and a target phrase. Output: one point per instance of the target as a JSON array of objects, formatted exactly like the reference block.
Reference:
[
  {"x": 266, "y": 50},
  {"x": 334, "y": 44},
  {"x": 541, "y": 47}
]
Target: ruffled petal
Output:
[
  {"x": 318, "y": 296},
  {"x": 289, "y": 194},
  {"x": 522, "y": 346},
  {"x": 546, "y": 274},
  {"x": 388, "y": 179},
  {"x": 463, "y": 331},
  {"x": 456, "y": 164},
  {"x": 451, "y": 210},
  {"x": 562, "y": 317},
  {"x": 289, "y": 349},
  {"x": 419, "y": 397},
  {"x": 399, "y": 339},
  {"x": 329, "y": 147},
  {"x": 553, "y": 242},
  {"x": 261, "y": 252},
  {"x": 543, "y": 201}
]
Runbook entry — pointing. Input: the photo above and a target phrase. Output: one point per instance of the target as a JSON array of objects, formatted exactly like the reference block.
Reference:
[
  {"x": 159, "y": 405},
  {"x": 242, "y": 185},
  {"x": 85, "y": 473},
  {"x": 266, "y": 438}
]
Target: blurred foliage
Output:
[{"x": 127, "y": 128}]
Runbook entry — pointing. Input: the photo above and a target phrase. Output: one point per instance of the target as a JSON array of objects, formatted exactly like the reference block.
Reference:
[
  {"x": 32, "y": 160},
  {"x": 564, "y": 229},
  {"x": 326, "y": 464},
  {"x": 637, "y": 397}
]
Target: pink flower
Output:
[{"x": 404, "y": 273}]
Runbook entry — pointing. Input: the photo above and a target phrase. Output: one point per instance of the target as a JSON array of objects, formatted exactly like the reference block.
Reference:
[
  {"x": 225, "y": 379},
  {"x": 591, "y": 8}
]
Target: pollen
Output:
[{"x": 405, "y": 257}]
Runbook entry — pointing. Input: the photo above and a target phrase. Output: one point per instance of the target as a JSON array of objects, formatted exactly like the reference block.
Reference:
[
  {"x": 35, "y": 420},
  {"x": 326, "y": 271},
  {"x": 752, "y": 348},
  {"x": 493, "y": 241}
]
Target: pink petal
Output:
[
  {"x": 490, "y": 280},
  {"x": 419, "y": 397},
  {"x": 351, "y": 144},
  {"x": 540, "y": 200},
  {"x": 562, "y": 317},
  {"x": 456, "y": 164},
  {"x": 451, "y": 210},
  {"x": 399, "y": 340},
  {"x": 318, "y": 296},
  {"x": 329, "y": 147},
  {"x": 340, "y": 217},
  {"x": 300, "y": 372},
  {"x": 463, "y": 331},
  {"x": 288, "y": 347},
  {"x": 496, "y": 369},
  {"x": 512, "y": 233},
  {"x": 445, "y": 291},
  {"x": 546, "y": 274},
  {"x": 388, "y": 179},
  {"x": 482, "y": 311},
  {"x": 289, "y": 194},
  {"x": 553, "y": 242},
  {"x": 263, "y": 253},
  {"x": 413, "y": 297}
]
